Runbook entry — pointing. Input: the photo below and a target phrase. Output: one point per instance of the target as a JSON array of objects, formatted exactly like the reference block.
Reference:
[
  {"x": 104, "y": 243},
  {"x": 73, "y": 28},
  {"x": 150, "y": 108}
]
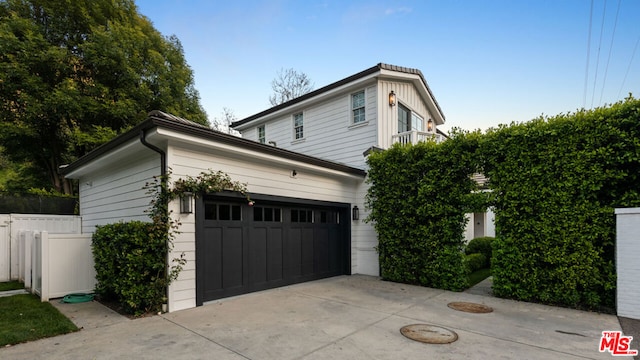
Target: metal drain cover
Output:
[
  {"x": 470, "y": 307},
  {"x": 429, "y": 334}
]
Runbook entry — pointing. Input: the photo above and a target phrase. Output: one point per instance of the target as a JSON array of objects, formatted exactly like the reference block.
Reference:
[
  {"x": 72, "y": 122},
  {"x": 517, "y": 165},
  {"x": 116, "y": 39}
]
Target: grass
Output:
[
  {"x": 476, "y": 277},
  {"x": 11, "y": 285},
  {"x": 25, "y": 318}
]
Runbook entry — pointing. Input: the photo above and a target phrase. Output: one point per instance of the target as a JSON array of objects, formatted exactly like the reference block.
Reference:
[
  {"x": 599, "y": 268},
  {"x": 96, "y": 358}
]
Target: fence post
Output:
[
  {"x": 44, "y": 265},
  {"x": 627, "y": 265}
]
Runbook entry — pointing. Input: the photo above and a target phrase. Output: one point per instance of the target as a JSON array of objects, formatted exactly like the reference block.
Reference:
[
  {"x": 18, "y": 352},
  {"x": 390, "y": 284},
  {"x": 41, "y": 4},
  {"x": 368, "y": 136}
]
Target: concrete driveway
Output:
[{"x": 347, "y": 317}]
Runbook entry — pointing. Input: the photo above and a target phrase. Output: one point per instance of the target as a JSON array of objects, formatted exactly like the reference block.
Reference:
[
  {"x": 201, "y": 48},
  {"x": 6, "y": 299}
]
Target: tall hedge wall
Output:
[
  {"x": 556, "y": 182},
  {"x": 417, "y": 198}
]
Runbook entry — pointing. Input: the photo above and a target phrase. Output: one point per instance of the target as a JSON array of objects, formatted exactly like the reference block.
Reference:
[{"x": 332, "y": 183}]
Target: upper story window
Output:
[
  {"x": 298, "y": 126},
  {"x": 357, "y": 107},
  {"x": 262, "y": 135},
  {"x": 409, "y": 121}
]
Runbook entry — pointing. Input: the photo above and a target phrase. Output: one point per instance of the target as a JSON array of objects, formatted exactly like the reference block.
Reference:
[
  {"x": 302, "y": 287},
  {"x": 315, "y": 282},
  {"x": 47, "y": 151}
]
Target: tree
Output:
[
  {"x": 73, "y": 74},
  {"x": 288, "y": 85},
  {"x": 223, "y": 124}
]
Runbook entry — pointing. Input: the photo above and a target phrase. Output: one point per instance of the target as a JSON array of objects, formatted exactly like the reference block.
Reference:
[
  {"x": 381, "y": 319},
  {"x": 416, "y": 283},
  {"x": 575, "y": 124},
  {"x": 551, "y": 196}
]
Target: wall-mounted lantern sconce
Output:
[
  {"x": 429, "y": 125},
  {"x": 186, "y": 201},
  {"x": 392, "y": 98},
  {"x": 355, "y": 213}
]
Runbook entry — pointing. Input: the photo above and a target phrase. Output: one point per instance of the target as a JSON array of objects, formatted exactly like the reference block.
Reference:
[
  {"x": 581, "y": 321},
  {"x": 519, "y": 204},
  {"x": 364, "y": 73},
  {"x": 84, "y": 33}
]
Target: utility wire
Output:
[
  {"x": 586, "y": 72},
  {"x": 629, "y": 67},
  {"x": 606, "y": 69},
  {"x": 595, "y": 79}
]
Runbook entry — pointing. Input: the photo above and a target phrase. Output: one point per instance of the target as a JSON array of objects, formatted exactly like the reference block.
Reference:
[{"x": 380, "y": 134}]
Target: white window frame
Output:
[
  {"x": 362, "y": 110},
  {"x": 262, "y": 134},
  {"x": 298, "y": 129}
]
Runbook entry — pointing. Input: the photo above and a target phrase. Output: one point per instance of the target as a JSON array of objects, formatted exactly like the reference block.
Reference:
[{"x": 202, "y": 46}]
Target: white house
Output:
[
  {"x": 376, "y": 107},
  {"x": 304, "y": 164}
]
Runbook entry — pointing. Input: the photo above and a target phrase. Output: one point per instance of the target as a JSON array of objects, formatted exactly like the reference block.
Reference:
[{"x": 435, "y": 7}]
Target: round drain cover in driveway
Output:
[
  {"x": 429, "y": 334},
  {"x": 470, "y": 307}
]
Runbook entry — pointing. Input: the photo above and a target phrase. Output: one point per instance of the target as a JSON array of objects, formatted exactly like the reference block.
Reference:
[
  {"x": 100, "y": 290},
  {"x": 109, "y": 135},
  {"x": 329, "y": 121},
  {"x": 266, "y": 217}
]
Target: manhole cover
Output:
[
  {"x": 429, "y": 334},
  {"x": 470, "y": 307}
]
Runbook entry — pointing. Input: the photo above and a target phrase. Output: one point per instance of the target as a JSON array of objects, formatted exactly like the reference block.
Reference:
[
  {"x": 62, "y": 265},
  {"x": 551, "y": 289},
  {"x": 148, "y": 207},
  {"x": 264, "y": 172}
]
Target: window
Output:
[
  {"x": 329, "y": 217},
  {"x": 403, "y": 119},
  {"x": 301, "y": 216},
  {"x": 267, "y": 214},
  {"x": 213, "y": 211},
  {"x": 262, "y": 136},
  {"x": 416, "y": 122},
  {"x": 357, "y": 107},
  {"x": 298, "y": 126},
  {"x": 409, "y": 121}
]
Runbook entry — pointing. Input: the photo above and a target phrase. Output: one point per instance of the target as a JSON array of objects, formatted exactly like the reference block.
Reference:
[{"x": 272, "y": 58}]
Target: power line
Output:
[
  {"x": 629, "y": 67},
  {"x": 595, "y": 79},
  {"x": 606, "y": 69},
  {"x": 586, "y": 73}
]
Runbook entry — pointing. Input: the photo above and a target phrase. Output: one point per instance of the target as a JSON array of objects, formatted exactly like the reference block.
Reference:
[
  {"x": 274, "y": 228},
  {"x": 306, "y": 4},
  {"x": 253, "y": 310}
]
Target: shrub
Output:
[
  {"x": 481, "y": 245},
  {"x": 475, "y": 262},
  {"x": 130, "y": 265}
]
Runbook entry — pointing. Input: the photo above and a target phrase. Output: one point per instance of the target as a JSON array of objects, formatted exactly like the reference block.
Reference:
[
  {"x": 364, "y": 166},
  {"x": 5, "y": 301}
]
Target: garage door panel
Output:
[
  {"x": 232, "y": 258},
  {"x": 321, "y": 250},
  {"x": 258, "y": 255},
  {"x": 274, "y": 255},
  {"x": 293, "y": 251},
  {"x": 335, "y": 246},
  {"x": 212, "y": 258},
  {"x": 306, "y": 254}
]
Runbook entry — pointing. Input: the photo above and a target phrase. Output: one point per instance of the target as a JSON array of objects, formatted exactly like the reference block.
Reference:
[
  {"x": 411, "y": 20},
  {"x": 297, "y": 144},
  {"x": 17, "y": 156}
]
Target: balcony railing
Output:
[{"x": 414, "y": 137}]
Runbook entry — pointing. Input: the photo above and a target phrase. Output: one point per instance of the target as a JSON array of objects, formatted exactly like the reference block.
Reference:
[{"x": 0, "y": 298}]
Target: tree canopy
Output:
[{"x": 73, "y": 74}]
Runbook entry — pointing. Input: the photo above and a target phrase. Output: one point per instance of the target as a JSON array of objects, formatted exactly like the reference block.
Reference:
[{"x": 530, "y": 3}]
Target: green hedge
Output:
[
  {"x": 130, "y": 263},
  {"x": 481, "y": 245},
  {"x": 475, "y": 262},
  {"x": 417, "y": 199},
  {"x": 556, "y": 182}
]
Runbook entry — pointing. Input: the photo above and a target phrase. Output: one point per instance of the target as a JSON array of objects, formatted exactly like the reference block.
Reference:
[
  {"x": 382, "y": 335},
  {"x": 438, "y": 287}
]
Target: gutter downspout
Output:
[{"x": 163, "y": 182}]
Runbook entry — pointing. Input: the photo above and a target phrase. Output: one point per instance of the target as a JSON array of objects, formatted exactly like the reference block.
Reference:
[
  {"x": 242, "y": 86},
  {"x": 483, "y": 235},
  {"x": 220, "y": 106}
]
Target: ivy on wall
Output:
[{"x": 418, "y": 198}]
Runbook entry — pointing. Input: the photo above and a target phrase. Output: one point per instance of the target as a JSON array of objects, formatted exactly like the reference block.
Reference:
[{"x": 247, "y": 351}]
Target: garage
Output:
[{"x": 276, "y": 242}]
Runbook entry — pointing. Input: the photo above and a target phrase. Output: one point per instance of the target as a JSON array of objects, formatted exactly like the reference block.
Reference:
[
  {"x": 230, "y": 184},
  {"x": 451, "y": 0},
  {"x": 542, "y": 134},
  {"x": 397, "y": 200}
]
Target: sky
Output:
[{"x": 487, "y": 62}]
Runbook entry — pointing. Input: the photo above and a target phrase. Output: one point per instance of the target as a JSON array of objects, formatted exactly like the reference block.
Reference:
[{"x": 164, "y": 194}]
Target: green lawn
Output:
[
  {"x": 478, "y": 276},
  {"x": 11, "y": 285},
  {"x": 24, "y": 318}
]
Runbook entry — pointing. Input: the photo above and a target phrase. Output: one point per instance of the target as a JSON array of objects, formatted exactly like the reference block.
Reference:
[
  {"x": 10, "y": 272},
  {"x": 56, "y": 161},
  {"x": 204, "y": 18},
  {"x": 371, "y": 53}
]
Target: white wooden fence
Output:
[
  {"x": 57, "y": 264},
  {"x": 11, "y": 251},
  {"x": 46, "y": 252}
]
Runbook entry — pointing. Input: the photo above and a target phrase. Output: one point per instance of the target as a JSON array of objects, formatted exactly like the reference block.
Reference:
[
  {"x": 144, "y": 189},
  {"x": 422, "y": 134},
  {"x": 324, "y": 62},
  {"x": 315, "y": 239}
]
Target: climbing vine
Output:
[{"x": 207, "y": 182}]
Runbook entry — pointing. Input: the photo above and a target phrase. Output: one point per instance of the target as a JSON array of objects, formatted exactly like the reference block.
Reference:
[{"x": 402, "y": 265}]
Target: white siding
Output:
[
  {"x": 407, "y": 95},
  {"x": 328, "y": 133},
  {"x": 116, "y": 192},
  {"x": 262, "y": 178},
  {"x": 364, "y": 256}
]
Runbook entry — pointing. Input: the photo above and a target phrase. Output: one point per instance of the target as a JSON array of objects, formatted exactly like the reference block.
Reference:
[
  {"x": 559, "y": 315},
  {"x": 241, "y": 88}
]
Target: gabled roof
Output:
[
  {"x": 337, "y": 84},
  {"x": 167, "y": 121}
]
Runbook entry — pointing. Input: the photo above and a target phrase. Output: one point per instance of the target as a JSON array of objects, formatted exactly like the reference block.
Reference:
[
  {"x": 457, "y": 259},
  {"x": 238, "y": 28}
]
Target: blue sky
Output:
[{"x": 488, "y": 62}]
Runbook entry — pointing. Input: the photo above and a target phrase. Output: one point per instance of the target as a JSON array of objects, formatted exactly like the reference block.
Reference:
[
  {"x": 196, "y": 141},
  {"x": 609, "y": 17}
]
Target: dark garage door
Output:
[{"x": 242, "y": 248}]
